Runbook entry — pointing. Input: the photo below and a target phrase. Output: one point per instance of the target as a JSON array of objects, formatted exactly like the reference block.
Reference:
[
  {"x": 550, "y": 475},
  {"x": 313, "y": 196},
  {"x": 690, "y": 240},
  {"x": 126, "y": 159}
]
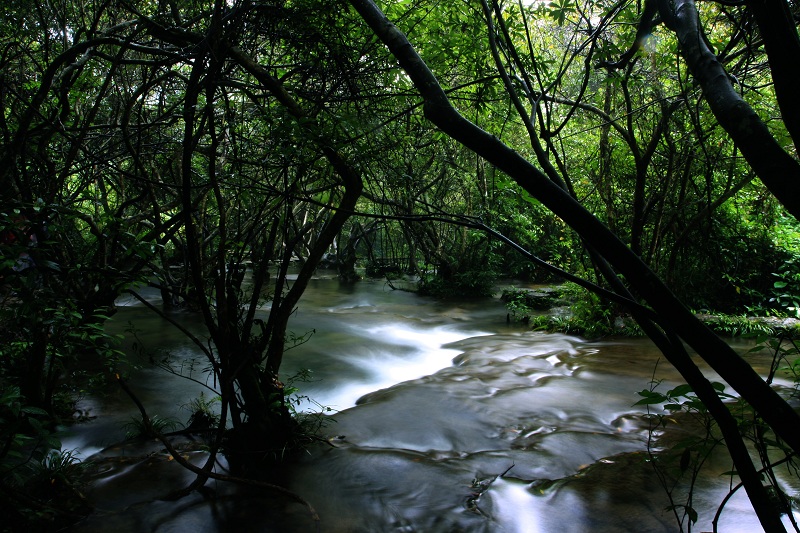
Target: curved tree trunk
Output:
[
  {"x": 778, "y": 30},
  {"x": 779, "y": 171},
  {"x": 673, "y": 317}
]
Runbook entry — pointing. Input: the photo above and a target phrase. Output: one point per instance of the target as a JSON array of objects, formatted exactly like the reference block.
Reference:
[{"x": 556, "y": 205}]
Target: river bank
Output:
[{"x": 568, "y": 309}]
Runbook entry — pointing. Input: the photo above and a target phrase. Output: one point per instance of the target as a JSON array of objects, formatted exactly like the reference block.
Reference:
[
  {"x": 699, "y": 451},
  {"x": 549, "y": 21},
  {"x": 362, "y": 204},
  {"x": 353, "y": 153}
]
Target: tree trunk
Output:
[
  {"x": 779, "y": 171},
  {"x": 672, "y": 315},
  {"x": 777, "y": 25}
]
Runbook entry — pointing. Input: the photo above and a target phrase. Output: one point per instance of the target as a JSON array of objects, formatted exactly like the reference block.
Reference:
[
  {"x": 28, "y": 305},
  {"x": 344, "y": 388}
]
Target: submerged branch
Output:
[{"x": 207, "y": 473}]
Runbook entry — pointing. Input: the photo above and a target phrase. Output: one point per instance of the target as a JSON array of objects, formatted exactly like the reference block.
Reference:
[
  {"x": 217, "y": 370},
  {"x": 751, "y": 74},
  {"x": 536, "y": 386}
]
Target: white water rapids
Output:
[{"x": 432, "y": 401}]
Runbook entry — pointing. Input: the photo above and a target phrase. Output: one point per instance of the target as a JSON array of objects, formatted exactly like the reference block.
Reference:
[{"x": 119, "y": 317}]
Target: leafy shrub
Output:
[
  {"x": 25, "y": 436},
  {"x": 203, "y": 415},
  {"x": 736, "y": 325},
  {"x": 679, "y": 464},
  {"x": 471, "y": 283},
  {"x": 382, "y": 268},
  {"x": 40, "y": 482},
  {"x": 135, "y": 429},
  {"x": 588, "y": 315},
  {"x": 310, "y": 422},
  {"x": 786, "y": 290},
  {"x": 522, "y": 303}
]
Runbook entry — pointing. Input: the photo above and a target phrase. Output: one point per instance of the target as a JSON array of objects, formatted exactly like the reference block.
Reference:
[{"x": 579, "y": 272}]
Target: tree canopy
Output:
[{"x": 647, "y": 151}]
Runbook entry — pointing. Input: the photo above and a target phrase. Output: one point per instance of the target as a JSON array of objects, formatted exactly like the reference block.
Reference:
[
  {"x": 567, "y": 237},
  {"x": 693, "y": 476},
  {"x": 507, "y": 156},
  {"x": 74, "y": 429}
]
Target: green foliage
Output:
[
  {"x": 517, "y": 304},
  {"x": 683, "y": 461},
  {"x": 468, "y": 284},
  {"x": 588, "y": 315},
  {"x": 560, "y": 9},
  {"x": 311, "y": 421},
  {"x": 737, "y": 325},
  {"x": 49, "y": 317},
  {"x": 679, "y": 411},
  {"x": 680, "y": 398},
  {"x": 785, "y": 354},
  {"x": 59, "y": 468},
  {"x": 525, "y": 304},
  {"x": 382, "y": 268},
  {"x": 203, "y": 414},
  {"x": 728, "y": 268},
  {"x": 786, "y": 290},
  {"x": 288, "y": 411},
  {"x": 526, "y": 222},
  {"x": 56, "y": 349},
  {"x": 137, "y": 429},
  {"x": 25, "y": 435},
  {"x": 40, "y": 482},
  {"x": 102, "y": 144}
]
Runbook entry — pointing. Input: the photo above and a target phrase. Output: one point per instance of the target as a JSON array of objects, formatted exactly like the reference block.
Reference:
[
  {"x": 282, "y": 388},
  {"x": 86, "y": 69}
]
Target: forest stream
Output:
[{"x": 446, "y": 418}]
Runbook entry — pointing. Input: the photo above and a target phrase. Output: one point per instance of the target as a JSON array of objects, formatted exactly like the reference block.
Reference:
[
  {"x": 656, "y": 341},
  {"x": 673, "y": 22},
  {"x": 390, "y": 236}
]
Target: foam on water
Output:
[{"x": 385, "y": 365}]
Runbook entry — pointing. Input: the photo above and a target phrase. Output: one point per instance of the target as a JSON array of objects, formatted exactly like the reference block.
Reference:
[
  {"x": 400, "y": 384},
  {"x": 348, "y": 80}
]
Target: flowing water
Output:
[{"x": 446, "y": 419}]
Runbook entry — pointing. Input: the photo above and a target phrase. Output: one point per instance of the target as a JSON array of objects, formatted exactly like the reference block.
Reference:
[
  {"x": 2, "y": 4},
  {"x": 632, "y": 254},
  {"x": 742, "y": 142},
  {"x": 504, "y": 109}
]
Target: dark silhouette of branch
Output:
[
  {"x": 645, "y": 27},
  {"x": 679, "y": 324},
  {"x": 148, "y": 426},
  {"x": 778, "y": 170}
]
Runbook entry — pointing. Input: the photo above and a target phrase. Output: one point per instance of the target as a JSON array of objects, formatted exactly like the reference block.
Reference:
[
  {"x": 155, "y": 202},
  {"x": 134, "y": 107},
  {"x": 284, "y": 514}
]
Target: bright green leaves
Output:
[
  {"x": 786, "y": 290},
  {"x": 680, "y": 398},
  {"x": 559, "y": 10},
  {"x": 651, "y": 397}
]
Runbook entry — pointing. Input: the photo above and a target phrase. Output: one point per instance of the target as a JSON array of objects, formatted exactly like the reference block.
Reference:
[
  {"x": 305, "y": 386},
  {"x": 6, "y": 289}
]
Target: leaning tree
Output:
[{"x": 665, "y": 319}]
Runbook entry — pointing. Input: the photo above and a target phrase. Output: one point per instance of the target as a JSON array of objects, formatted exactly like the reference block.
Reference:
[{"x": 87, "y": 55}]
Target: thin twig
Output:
[{"x": 213, "y": 475}]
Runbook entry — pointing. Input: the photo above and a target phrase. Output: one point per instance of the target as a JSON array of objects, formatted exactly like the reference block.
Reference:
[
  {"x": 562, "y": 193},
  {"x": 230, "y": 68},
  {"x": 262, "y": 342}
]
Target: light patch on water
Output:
[
  {"x": 428, "y": 357},
  {"x": 554, "y": 360},
  {"x": 363, "y": 304},
  {"x": 78, "y": 447},
  {"x": 423, "y": 338},
  {"x": 150, "y": 294},
  {"x": 339, "y": 398},
  {"x": 387, "y": 366},
  {"x": 514, "y": 507}
]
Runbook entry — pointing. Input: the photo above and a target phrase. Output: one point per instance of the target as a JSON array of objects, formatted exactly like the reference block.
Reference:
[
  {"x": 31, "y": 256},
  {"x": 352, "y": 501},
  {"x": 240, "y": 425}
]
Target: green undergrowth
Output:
[
  {"x": 683, "y": 436},
  {"x": 741, "y": 325},
  {"x": 572, "y": 310},
  {"x": 568, "y": 308},
  {"x": 39, "y": 481}
]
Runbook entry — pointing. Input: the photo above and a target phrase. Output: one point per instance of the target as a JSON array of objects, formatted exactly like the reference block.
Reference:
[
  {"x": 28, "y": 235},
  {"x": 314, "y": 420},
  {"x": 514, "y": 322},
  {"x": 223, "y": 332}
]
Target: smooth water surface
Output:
[{"x": 433, "y": 401}]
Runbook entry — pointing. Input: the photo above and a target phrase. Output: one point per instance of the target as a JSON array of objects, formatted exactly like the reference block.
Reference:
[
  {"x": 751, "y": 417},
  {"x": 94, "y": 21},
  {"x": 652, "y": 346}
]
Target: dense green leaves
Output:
[{"x": 206, "y": 148}]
